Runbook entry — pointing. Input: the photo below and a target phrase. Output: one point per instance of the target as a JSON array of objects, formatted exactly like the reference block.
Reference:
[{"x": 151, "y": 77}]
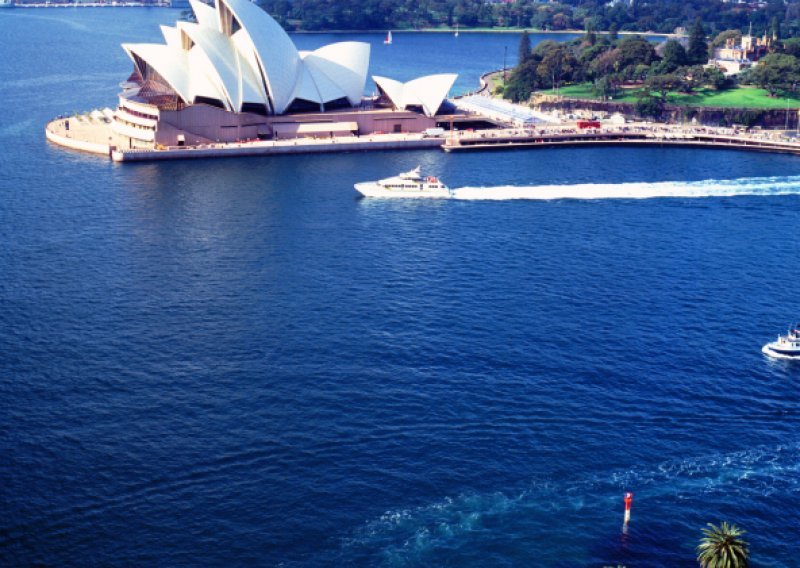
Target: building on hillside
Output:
[
  {"x": 733, "y": 57},
  {"x": 236, "y": 75}
]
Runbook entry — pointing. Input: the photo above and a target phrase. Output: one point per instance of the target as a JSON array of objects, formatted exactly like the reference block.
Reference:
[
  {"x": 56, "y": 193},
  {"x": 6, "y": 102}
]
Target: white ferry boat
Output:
[
  {"x": 786, "y": 346},
  {"x": 409, "y": 184},
  {"x": 6, "y": 3}
]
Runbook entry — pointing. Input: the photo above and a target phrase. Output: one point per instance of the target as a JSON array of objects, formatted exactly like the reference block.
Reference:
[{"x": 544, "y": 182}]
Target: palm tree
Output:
[{"x": 721, "y": 547}]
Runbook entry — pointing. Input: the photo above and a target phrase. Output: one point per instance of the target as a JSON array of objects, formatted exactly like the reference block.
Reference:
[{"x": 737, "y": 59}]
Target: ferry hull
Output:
[
  {"x": 375, "y": 190},
  {"x": 772, "y": 350}
]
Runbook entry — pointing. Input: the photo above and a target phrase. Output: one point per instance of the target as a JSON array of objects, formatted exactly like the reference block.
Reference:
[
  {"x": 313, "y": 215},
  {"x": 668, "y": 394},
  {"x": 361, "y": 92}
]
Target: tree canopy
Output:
[
  {"x": 674, "y": 57},
  {"x": 777, "y": 73},
  {"x": 698, "y": 48},
  {"x": 549, "y": 65},
  {"x": 723, "y": 547},
  {"x": 631, "y": 62},
  {"x": 524, "y": 47},
  {"x": 597, "y": 15}
]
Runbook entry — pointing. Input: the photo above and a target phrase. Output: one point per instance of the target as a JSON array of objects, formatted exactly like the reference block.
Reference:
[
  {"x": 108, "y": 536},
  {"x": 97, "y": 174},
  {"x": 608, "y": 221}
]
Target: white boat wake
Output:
[
  {"x": 408, "y": 536},
  {"x": 760, "y": 186}
]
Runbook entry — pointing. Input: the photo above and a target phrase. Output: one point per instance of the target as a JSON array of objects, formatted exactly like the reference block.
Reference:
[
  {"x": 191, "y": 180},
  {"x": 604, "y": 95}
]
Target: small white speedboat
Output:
[
  {"x": 786, "y": 346},
  {"x": 409, "y": 184}
]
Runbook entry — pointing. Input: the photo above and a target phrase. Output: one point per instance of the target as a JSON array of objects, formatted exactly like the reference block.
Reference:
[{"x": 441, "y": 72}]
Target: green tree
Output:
[
  {"x": 722, "y": 37},
  {"x": 524, "y": 47},
  {"x": 633, "y": 52},
  {"x": 592, "y": 52},
  {"x": 674, "y": 57},
  {"x": 663, "y": 85},
  {"x": 776, "y": 28},
  {"x": 605, "y": 63},
  {"x": 717, "y": 79},
  {"x": 792, "y": 46},
  {"x": 636, "y": 50},
  {"x": 776, "y": 72},
  {"x": 648, "y": 105},
  {"x": 613, "y": 32},
  {"x": 605, "y": 88},
  {"x": 557, "y": 63},
  {"x": 524, "y": 79},
  {"x": 591, "y": 37},
  {"x": 694, "y": 77},
  {"x": 640, "y": 72},
  {"x": 698, "y": 48},
  {"x": 643, "y": 15},
  {"x": 722, "y": 547}
]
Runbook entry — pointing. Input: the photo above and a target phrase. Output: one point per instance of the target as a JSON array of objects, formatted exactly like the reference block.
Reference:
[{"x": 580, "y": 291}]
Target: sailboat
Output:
[
  {"x": 388, "y": 40},
  {"x": 456, "y": 34}
]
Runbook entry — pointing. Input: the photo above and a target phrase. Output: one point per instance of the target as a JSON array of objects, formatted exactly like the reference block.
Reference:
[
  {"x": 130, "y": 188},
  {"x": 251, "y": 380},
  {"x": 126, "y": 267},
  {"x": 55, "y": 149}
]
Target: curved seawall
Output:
[
  {"x": 297, "y": 146},
  {"x": 73, "y": 143}
]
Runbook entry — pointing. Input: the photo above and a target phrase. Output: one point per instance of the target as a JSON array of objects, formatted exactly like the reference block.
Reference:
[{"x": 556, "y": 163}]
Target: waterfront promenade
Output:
[
  {"x": 84, "y": 133},
  {"x": 632, "y": 134},
  {"x": 96, "y": 136}
]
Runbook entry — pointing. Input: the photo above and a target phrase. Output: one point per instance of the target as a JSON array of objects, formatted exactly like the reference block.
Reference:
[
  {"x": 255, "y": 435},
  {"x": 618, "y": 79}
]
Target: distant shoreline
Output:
[
  {"x": 480, "y": 31},
  {"x": 138, "y": 4},
  {"x": 87, "y": 5}
]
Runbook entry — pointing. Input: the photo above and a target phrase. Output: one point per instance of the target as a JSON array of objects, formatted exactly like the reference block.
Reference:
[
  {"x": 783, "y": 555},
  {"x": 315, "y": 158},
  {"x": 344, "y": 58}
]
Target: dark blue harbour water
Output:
[{"x": 237, "y": 362}]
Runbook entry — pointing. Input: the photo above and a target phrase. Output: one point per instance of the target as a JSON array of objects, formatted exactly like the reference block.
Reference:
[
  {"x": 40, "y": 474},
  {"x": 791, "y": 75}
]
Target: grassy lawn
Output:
[
  {"x": 586, "y": 91},
  {"x": 497, "y": 81},
  {"x": 740, "y": 97}
]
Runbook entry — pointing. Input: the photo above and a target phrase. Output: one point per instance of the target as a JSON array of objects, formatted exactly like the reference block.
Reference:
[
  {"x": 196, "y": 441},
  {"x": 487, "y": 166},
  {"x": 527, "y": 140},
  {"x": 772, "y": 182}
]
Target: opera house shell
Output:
[
  {"x": 426, "y": 92},
  {"x": 238, "y": 58},
  {"x": 235, "y": 75}
]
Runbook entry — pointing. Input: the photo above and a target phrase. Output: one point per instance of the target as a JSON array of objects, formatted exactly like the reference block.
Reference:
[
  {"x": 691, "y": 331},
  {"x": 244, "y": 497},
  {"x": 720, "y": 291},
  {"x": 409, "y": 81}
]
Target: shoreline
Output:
[
  {"x": 87, "y": 5},
  {"x": 138, "y": 4},
  {"x": 481, "y": 31}
]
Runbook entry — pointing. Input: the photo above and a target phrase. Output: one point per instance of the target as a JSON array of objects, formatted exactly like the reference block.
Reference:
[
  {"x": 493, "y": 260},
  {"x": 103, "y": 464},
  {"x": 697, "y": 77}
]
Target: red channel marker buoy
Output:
[{"x": 628, "y": 500}]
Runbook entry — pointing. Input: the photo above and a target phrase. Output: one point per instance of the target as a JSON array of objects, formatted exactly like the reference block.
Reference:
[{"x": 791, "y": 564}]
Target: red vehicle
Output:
[{"x": 588, "y": 124}]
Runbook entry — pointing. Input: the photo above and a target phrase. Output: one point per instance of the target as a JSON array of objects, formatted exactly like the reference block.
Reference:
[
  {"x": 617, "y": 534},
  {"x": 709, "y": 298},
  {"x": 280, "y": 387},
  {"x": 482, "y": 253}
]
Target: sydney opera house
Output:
[{"x": 236, "y": 75}]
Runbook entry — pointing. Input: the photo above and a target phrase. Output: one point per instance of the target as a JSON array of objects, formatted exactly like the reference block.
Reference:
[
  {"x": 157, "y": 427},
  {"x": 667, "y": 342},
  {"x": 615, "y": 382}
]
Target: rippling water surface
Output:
[{"x": 238, "y": 362}]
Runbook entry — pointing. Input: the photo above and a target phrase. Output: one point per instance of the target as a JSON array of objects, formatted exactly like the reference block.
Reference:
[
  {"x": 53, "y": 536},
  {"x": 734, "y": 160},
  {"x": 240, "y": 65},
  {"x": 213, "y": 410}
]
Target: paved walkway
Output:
[
  {"x": 632, "y": 133},
  {"x": 83, "y": 133}
]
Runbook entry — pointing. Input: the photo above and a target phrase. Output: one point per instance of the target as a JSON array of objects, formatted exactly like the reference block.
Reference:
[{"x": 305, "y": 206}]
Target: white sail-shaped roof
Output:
[
  {"x": 428, "y": 92},
  {"x": 238, "y": 55},
  {"x": 249, "y": 60},
  {"x": 172, "y": 64},
  {"x": 345, "y": 64},
  {"x": 205, "y": 81},
  {"x": 206, "y": 15},
  {"x": 235, "y": 76},
  {"x": 276, "y": 54},
  {"x": 326, "y": 89},
  {"x": 172, "y": 36},
  {"x": 392, "y": 89},
  {"x": 219, "y": 60},
  {"x": 306, "y": 89}
]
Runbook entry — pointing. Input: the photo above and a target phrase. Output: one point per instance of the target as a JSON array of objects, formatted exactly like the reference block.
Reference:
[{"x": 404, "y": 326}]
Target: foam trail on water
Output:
[
  {"x": 407, "y": 536},
  {"x": 764, "y": 186}
]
